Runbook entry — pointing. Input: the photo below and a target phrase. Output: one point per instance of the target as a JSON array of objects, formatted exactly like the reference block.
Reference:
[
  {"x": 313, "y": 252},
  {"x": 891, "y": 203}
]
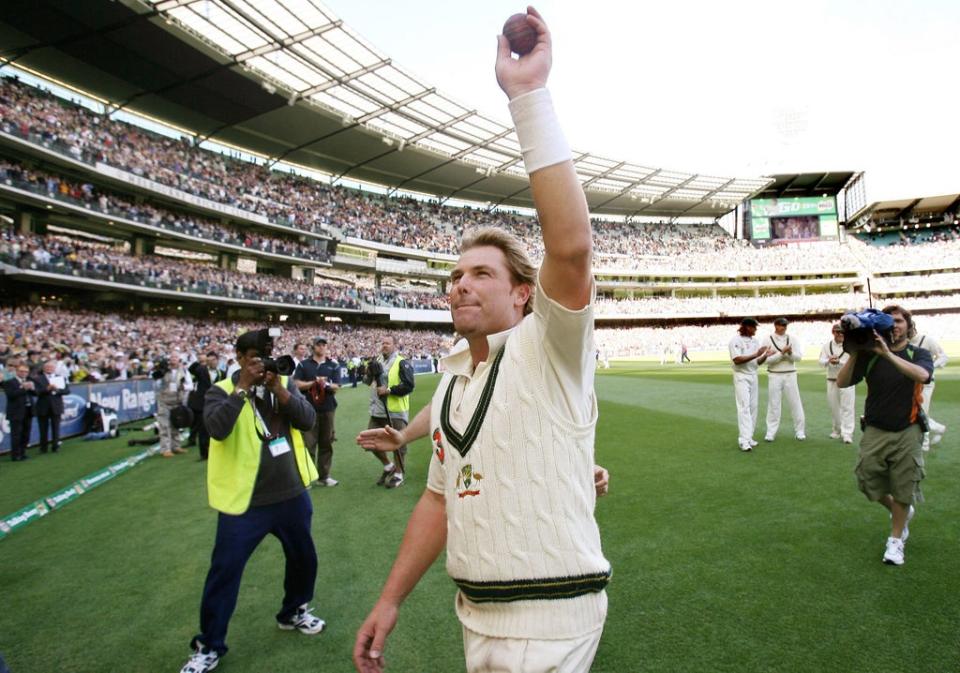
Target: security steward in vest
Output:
[
  {"x": 391, "y": 381},
  {"x": 257, "y": 478}
]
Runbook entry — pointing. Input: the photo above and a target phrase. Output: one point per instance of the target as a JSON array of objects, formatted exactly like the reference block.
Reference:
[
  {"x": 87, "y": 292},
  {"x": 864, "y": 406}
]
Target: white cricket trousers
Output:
[
  {"x": 746, "y": 389},
  {"x": 842, "y": 402},
  {"x": 936, "y": 427},
  {"x": 511, "y": 655},
  {"x": 778, "y": 386}
]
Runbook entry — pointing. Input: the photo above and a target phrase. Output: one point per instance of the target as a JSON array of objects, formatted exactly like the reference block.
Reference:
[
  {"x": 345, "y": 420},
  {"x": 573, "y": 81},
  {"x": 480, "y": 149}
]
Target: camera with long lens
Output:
[{"x": 283, "y": 365}]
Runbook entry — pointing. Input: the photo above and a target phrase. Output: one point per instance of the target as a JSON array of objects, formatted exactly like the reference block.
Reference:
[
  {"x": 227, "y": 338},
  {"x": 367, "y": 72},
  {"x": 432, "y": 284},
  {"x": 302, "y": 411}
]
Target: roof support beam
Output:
[
  {"x": 666, "y": 194},
  {"x": 607, "y": 173},
  {"x": 456, "y": 157},
  {"x": 630, "y": 187},
  {"x": 709, "y": 195},
  {"x": 340, "y": 81},
  {"x": 358, "y": 122}
]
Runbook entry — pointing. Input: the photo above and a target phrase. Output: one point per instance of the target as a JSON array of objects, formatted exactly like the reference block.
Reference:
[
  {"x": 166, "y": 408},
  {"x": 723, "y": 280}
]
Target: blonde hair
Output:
[{"x": 522, "y": 270}]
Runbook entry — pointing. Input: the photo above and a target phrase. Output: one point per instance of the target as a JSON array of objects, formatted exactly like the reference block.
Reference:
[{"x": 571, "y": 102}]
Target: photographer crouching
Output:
[
  {"x": 175, "y": 382},
  {"x": 257, "y": 478}
]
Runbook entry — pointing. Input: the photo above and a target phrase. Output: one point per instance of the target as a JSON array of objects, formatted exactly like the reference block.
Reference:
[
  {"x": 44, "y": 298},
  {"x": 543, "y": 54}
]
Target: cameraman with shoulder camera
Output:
[
  {"x": 174, "y": 382},
  {"x": 257, "y": 478},
  {"x": 890, "y": 465},
  {"x": 391, "y": 381},
  {"x": 318, "y": 378}
]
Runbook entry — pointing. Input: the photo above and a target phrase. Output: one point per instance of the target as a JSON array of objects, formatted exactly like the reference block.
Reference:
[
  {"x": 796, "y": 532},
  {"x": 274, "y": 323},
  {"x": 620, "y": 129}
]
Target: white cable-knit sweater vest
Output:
[{"x": 522, "y": 542}]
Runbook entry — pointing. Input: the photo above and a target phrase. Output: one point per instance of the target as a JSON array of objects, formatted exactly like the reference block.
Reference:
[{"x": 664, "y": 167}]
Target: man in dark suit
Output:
[
  {"x": 204, "y": 376},
  {"x": 49, "y": 404},
  {"x": 20, "y": 401}
]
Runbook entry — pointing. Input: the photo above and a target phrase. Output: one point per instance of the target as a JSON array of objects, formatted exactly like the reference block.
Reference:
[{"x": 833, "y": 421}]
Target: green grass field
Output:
[{"x": 747, "y": 563}]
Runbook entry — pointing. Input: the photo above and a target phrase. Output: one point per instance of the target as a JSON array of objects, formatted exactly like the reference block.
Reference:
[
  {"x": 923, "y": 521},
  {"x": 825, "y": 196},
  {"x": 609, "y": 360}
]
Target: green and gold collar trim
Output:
[{"x": 462, "y": 443}]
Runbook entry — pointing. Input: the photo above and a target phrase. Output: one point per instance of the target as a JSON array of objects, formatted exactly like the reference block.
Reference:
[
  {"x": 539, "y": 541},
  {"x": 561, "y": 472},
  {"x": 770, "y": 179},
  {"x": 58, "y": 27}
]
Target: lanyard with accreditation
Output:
[{"x": 277, "y": 445}]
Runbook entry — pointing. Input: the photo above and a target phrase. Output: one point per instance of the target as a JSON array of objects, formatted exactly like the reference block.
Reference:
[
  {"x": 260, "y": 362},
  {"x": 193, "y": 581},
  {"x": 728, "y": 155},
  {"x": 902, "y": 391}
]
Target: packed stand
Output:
[
  {"x": 93, "y": 197},
  {"x": 72, "y": 257},
  {"x": 92, "y": 346}
]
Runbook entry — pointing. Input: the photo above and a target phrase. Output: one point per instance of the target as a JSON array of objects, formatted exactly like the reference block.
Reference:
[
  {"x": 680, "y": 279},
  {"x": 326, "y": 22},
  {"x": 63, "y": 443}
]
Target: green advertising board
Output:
[{"x": 801, "y": 205}]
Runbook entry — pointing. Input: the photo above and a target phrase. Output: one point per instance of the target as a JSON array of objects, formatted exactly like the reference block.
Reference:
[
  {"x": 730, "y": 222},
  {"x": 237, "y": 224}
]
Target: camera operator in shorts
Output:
[
  {"x": 175, "y": 384},
  {"x": 391, "y": 380},
  {"x": 890, "y": 463}
]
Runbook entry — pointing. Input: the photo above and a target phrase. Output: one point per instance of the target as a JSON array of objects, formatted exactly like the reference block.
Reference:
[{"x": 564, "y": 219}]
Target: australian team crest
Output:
[
  {"x": 438, "y": 445},
  {"x": 468, "y": 482}
]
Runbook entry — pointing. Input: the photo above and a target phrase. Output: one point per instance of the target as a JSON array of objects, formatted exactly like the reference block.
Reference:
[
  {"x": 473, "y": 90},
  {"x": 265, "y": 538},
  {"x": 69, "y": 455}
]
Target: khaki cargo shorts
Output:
[{"x": 891, "y": 462}]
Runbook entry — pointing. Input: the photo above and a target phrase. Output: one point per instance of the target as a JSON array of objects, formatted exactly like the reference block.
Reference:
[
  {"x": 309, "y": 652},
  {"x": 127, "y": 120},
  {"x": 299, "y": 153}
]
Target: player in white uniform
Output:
[
  {"x": 783, "y": 354},
  {"x": 747, "y": 355},
  {"x": 841, "y": 400},
  {"x": 939, "y": 360}
]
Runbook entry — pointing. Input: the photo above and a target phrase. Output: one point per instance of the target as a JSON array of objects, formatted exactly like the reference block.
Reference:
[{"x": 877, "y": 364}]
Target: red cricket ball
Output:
[{"x": 520, "y": 34}]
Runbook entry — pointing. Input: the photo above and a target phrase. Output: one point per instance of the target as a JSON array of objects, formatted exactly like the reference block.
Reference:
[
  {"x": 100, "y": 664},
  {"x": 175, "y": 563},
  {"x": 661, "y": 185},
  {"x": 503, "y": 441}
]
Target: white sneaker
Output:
[
  {"x": 329, "y": 481},
  {"x": 304, "y": 621},
  {"x": 745, "y": 446},
  {"x": 395, "y": 480},
  {"x": 768, "y": 438},
  {"x": 753, "y": 442},
  {"x": 834, "y": 435},
  {"x": 801, "y": 437},
  {"x": 203, "y": 660},
  {"x": 848, "y": 440},
  {"x": 894, "y": 552}
]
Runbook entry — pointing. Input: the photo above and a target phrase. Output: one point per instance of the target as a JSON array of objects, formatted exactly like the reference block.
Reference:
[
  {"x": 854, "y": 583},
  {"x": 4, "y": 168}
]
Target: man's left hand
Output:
[
  {"x": 528, "y": 73},
  {"x": 601, "y": 480},
  {"x": 383, "y": 391},
  {"x": 272, "y": 382}
]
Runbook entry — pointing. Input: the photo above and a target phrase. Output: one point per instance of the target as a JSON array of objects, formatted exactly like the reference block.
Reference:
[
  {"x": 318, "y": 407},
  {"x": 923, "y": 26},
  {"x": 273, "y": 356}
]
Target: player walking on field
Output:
[{"x": 510, "y": 491}]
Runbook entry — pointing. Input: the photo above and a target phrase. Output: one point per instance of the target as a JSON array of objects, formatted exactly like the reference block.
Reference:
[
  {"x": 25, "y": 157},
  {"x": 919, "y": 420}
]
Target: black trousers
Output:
[
  {"x": 49, "y": 428},
  {"x": 20, "y": 435},
  {"x": 237, "y": 537}
]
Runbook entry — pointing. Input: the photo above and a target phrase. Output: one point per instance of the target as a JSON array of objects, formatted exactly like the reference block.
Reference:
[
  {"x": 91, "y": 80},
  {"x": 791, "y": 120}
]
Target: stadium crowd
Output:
[
  {"x": 94, "y": 198},
  {"x": 101, "y": 346},
  {"x": 73, "y": 257},
  {"x": 310, "y": 205}
]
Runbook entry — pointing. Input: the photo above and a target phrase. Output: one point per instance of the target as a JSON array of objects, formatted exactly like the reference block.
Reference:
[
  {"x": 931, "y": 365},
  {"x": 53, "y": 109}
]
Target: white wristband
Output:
[{"x": 542, "y": 142}]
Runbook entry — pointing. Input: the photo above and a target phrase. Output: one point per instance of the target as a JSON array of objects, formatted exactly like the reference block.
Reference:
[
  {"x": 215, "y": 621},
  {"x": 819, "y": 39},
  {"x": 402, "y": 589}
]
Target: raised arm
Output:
[{"x": 557, "y": 194}]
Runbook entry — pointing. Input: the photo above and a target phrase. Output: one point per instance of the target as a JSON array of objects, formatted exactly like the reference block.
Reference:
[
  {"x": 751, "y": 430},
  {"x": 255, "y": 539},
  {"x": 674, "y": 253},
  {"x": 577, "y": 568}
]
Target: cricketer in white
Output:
[{"x": 512, "y": 483}]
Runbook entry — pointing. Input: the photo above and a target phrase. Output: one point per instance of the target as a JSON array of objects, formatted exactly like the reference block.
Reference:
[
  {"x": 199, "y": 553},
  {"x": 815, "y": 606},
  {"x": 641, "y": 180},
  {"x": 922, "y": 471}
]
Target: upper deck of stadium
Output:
[{"x": 289, "y": 81}]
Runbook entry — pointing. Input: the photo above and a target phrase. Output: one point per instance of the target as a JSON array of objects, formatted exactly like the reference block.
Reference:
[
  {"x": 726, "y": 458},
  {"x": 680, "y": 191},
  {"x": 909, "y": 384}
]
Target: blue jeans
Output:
[{"x": 237, "y": 537}]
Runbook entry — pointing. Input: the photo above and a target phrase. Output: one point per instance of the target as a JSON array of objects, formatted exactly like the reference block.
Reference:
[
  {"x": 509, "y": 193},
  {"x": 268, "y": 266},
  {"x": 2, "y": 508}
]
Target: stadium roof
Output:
[
  {"x": 288, "y": 80},
  {"x": 903, "y": 213},
  {"x": 806, "y": 184}
]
